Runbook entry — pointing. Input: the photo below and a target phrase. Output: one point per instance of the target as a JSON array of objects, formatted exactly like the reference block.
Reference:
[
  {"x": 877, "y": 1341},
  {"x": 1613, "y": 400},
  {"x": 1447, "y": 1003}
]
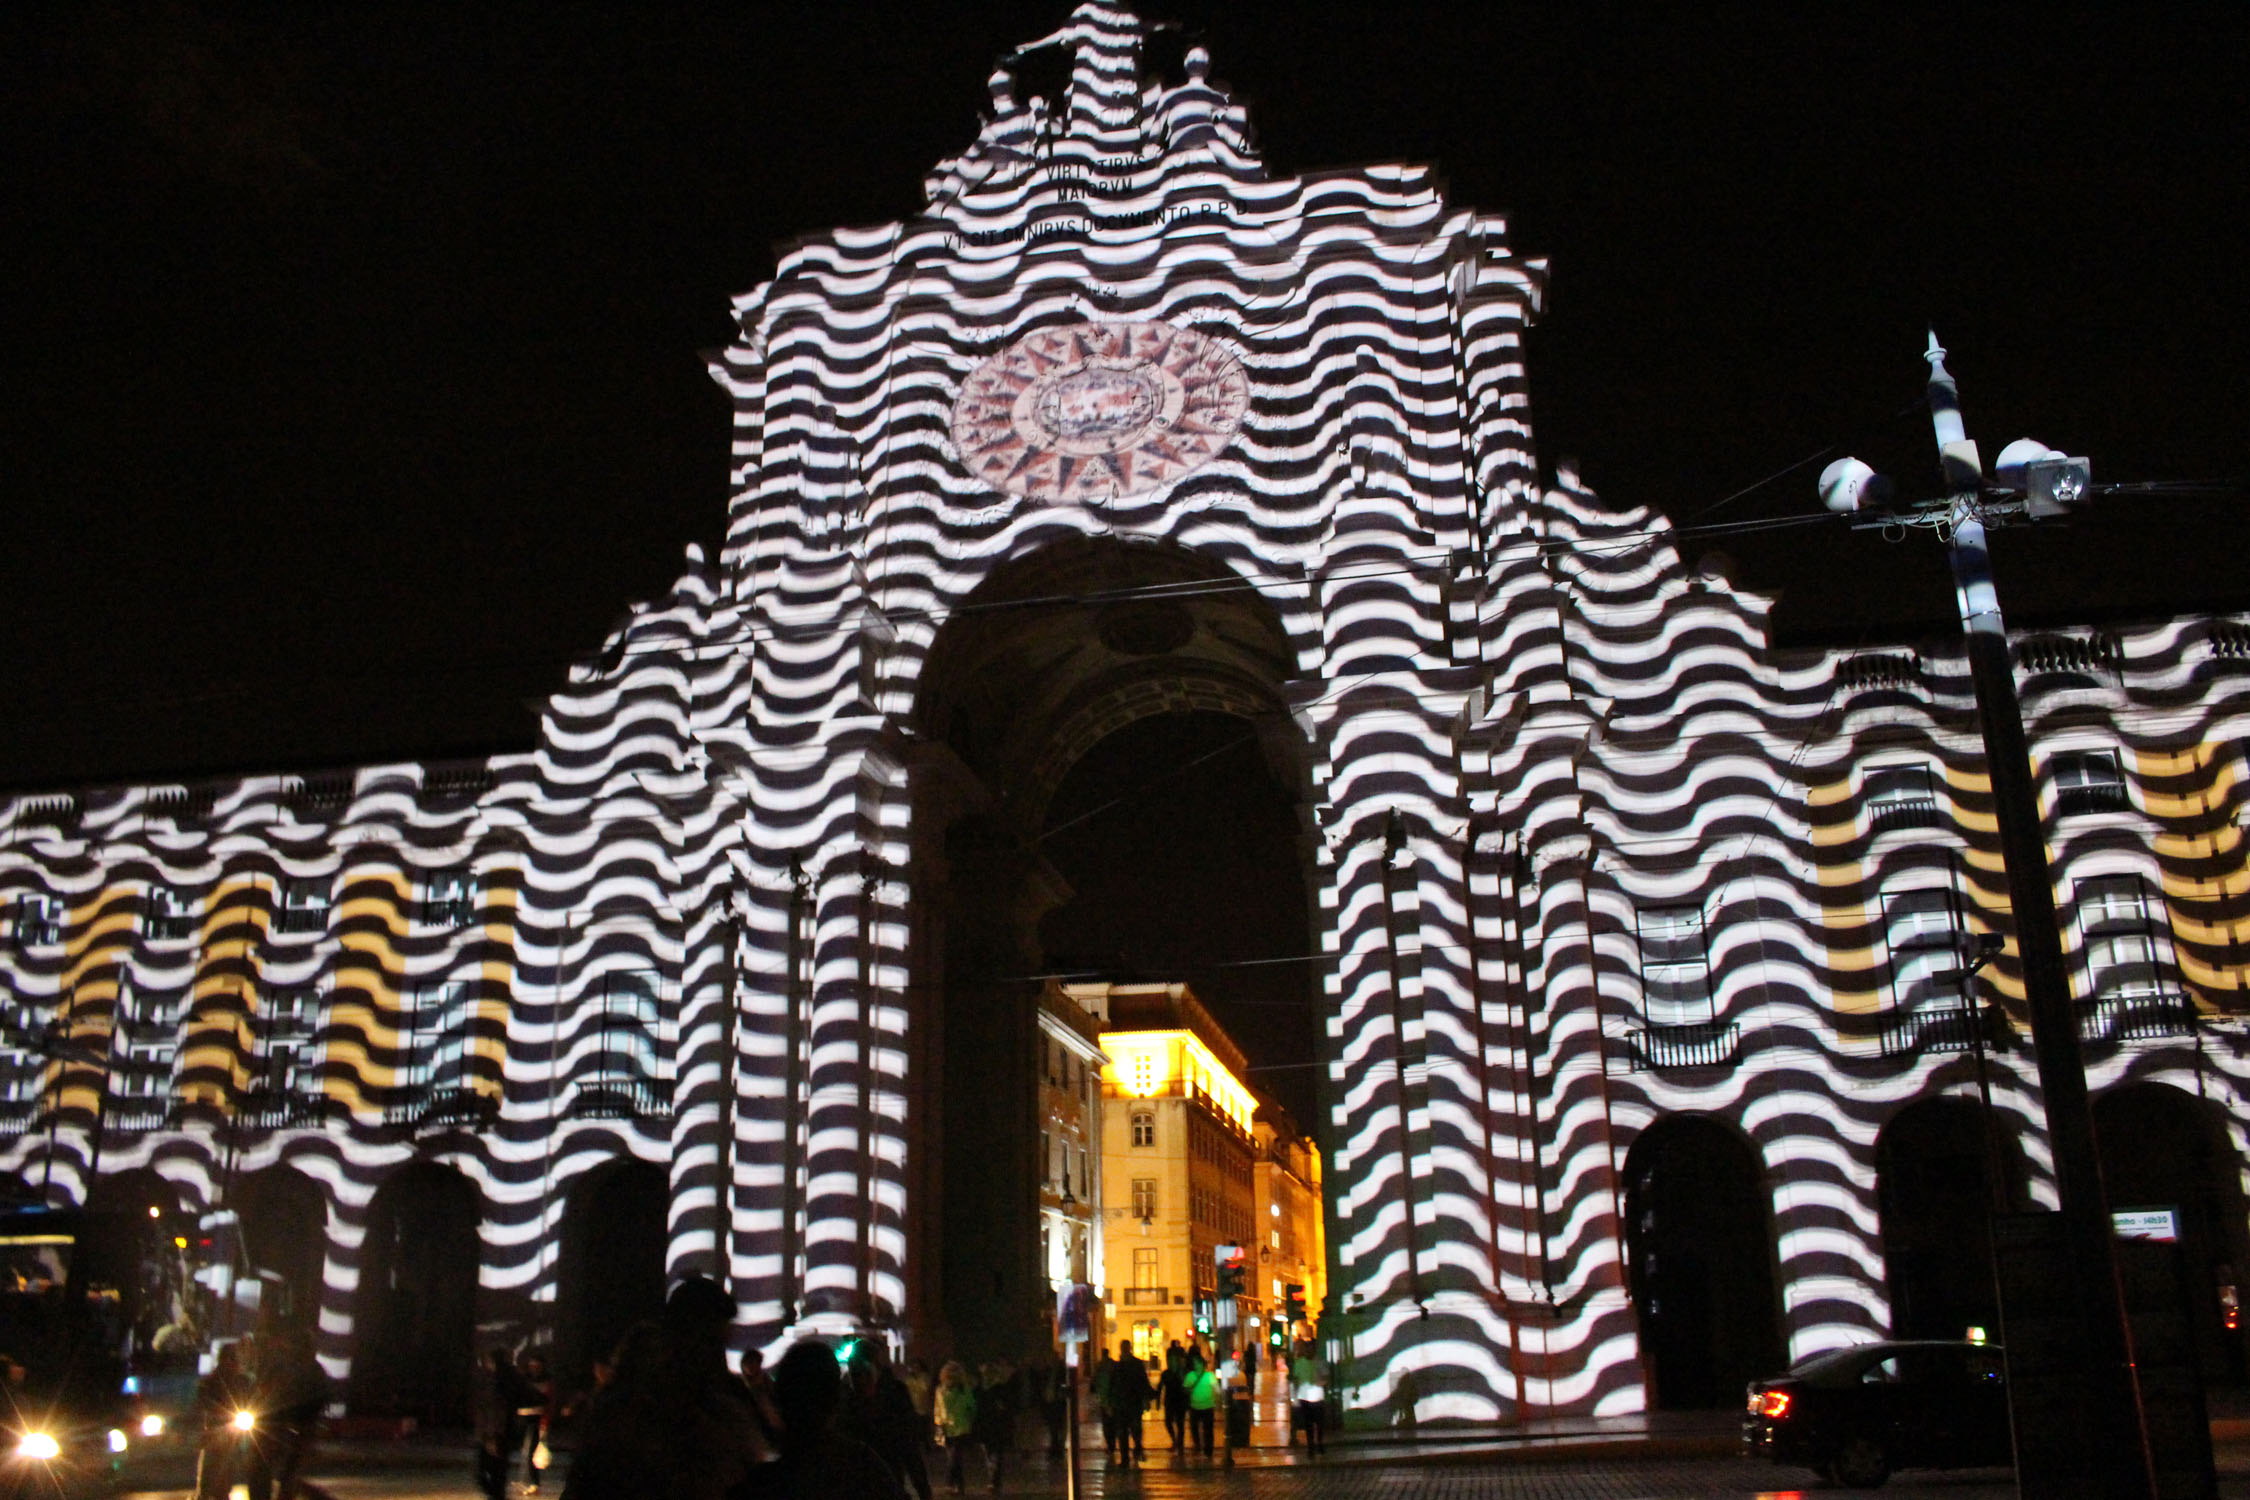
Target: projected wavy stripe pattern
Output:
[{"x": 1526, "y": 720}]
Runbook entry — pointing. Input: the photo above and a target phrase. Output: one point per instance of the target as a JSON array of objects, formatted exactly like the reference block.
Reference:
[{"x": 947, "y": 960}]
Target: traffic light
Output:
[
  {"x": 1232, "y": 1268},
  {"x": 1293, "y": 1299}
]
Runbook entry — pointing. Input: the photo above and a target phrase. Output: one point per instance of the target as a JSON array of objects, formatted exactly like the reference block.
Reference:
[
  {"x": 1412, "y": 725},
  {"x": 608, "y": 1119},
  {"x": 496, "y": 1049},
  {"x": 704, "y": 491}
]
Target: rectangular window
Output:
[
  {"x": 1144, "y": 1266},
  {"x": 2088, "y": 781},
  {"x": 434, "y": 1035},
  {"x": 304, "y": 904},
  {"x": 2128, "y": 953},
  {"x": 38, "y": 921},
  {"x": 1144, "y": 1129},
  {"x": 1675, "y": 967},
  {"x": 1144, "y": 1197},
  {"x": 1928, "y": 941},
  {"x": 167, "y": 915},
  {"x": 143, "y": 1047},
  {"x": 1144, "y": 1073},
  {"x": 1902, "y": 797},
  {"x": 449, "y": 898}
]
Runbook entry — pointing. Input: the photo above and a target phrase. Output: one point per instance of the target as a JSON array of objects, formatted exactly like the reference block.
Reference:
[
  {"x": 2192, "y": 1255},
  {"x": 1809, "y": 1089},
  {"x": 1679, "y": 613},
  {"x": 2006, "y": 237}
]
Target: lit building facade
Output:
[
  {"x": 1179, "y": 1157},
  {"x": 1070, "y": 1140},
  {"x": 1291, "y": 1256},
  {"x": 1648, "y": 1034}
]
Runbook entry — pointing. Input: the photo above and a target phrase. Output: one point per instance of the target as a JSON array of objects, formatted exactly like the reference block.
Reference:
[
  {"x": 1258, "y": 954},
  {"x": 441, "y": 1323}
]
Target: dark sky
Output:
[{"x": 352, "y": 351}]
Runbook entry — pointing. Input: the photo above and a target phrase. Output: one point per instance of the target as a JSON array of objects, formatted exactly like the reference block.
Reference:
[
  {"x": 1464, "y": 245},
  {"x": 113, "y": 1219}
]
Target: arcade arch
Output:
[
  {"x": 1699, "y": 1249},
  {"x": 415, "y": 1315},
  {"x": 1064, "y": 672},
  {"x": 1935, "y": 1162},
  {"x": 610, "y": 1273}
]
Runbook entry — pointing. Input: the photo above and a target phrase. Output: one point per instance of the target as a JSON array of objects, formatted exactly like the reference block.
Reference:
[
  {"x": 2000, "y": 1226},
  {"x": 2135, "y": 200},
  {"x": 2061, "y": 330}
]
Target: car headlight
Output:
[
  {"x": 39, "y": 1445},
  {"x": 152, "y": 1425},
  {"x": 117, "y": 1440},
  {"x": 245, "y": 1420}
]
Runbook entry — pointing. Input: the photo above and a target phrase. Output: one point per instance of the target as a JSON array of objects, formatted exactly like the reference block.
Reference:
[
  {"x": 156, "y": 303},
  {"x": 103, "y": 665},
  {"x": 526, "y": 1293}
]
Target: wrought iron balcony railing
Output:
[
  {"x": 2146, "y": 1017},
  {"x": 1147, "y": 1296},
  {"x": 1906, "y": 812},
  {"x": 1934, "y": 1028},
  {"x": 267, "y": 1110},
  {"x": 451, "y": 1105},
  {"x": 623, "y": 1097},
  {"x": 1701, "y": 1044}
]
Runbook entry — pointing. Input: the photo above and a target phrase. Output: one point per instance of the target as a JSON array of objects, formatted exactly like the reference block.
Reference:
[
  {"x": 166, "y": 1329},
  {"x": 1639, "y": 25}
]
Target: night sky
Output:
[{"x": 352, "y": 352}]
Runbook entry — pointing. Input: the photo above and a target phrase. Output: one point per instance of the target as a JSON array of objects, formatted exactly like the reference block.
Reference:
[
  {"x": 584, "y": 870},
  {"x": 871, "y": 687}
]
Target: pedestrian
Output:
[
  {"x": 1172, "y": 1390},
  {"x": 1124, "y": 1399},
  {"x": 956, "y": 1417},
  {"x": 819, "y": 1459},
  {"x": 673, "y": 1421},
  {"x": 221, "y": 1399},
  {"x": 1203, "y": 1404},
  {"x": 996, "y": 1416},
  {"x": 294, "y": 1392},
  {"x": 1308, "y": 1400},
  {"x": 878, "y": 1411},
  {"x": 534, "y": 1417},
  {"x": 759, "y": 1384},
  {"x": 493, "y": 1411},
  {"x": 1054, "y": 1405}
]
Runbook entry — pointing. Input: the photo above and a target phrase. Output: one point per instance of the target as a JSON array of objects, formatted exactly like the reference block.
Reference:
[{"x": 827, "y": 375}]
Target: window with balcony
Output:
[
  {"x": 435, "y": 1051},
  {"x": 625, "y": 1078},
  {"x": 1675, "y": 966},
  {"x": 1144, "y": 1197},
  {"x": 22, "y": 1071},
  {"x": 1144, "y": 1265},
  {"x": 1902, "y": 796},
  {"x": 449, "y": 898},
  {"x": 1926, "y": 939},
  {"x": 38, "y": 922},
  {"x": 1681, "y": 1026},
  {"x": 285, "y": 1079},
  {"x": 2088, "y": 781},
  {"x": 304, "y": 904},
  {"x": 144, "y": 1047},
  {"x": 2126, "y": 948},
  {"x": 1144, "y": 1128},
  {"x": 167, "y": 915}
]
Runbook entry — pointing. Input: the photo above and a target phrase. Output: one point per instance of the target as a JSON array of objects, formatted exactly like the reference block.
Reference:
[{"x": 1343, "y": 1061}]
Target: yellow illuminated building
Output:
[{"x": 1180, "y": 1154}]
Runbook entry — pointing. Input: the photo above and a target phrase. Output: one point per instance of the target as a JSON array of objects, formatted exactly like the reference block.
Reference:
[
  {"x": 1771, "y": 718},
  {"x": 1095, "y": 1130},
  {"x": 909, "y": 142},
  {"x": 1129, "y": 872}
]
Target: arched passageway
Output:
[
  {"x": 1699, "y": 1249},
  {"x": 1104, "y": 776},
  {"x": 610, "y": 1273},
  {"x": 285, "y": 1235},
  {"x": 2162, "y": 1148},
  {"x": 414, "y": 1320},
  {"x": 1934, "y": 1167}
]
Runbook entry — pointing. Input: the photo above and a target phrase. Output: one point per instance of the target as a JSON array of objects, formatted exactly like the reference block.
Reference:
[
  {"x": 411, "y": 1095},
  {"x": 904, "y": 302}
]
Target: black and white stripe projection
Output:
[{"x": 1528, "y": 733}]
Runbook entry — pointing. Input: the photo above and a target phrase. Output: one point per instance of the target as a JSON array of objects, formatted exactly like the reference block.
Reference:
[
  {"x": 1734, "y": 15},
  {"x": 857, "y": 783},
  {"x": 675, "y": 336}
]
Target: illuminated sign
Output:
[{"x": 2158, "y": 1224}]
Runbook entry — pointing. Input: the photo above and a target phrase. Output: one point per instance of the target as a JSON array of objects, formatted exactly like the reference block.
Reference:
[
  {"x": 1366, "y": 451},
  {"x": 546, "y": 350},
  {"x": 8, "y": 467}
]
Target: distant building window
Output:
[
  {"x": 1144, "y": 1128},
  {"x": 2127, "y": 950},
  {"x": 289, "y": 1056},
  {"x": 1675, "y": 966},
  {"x": 1144, "y": 1197},
  {"x": 449, "y": 898},
  {"x": 38, "y": 921},
  {"x": 304, "y": 904},
  {"x": 1144, "y": 1073},
  {"x": 1902, "y": 797},
  {"x": 1144, "y": 1266},
  {"x": 167, "y": 915},
  {"x": 2088, "y": 781},
  {"x": 1928, "y": 942}
]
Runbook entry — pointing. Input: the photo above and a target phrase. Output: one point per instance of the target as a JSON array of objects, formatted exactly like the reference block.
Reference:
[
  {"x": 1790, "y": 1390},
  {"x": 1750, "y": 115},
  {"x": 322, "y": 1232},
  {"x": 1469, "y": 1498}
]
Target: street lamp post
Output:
[{"x": 2093, "y": 1408}]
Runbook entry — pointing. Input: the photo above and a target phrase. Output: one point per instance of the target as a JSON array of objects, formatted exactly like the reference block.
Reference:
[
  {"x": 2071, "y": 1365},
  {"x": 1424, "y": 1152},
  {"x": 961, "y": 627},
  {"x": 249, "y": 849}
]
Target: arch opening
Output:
[
  {"x": 2161, "y": 1148},
  {"x": 285, "y": 1236},
  {"x": 1107, "y": 762},
  {"x": 1935, "y": 1162},
  {"x": 414, "y": 1319},
  {"x": 1699, "y": 1251},
  {"x": 610, "y": 1273}
]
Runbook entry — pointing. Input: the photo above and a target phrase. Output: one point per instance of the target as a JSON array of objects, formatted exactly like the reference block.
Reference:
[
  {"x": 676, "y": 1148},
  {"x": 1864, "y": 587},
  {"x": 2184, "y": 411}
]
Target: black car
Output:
[{"x": 1854, "y": 1415}]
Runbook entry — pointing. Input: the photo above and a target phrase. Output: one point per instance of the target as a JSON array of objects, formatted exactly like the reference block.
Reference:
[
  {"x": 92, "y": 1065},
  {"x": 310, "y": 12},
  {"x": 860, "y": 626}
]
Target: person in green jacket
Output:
[
  {"x": 1203, "y": 1404},
  {"x": 956, "y": 1414}
]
